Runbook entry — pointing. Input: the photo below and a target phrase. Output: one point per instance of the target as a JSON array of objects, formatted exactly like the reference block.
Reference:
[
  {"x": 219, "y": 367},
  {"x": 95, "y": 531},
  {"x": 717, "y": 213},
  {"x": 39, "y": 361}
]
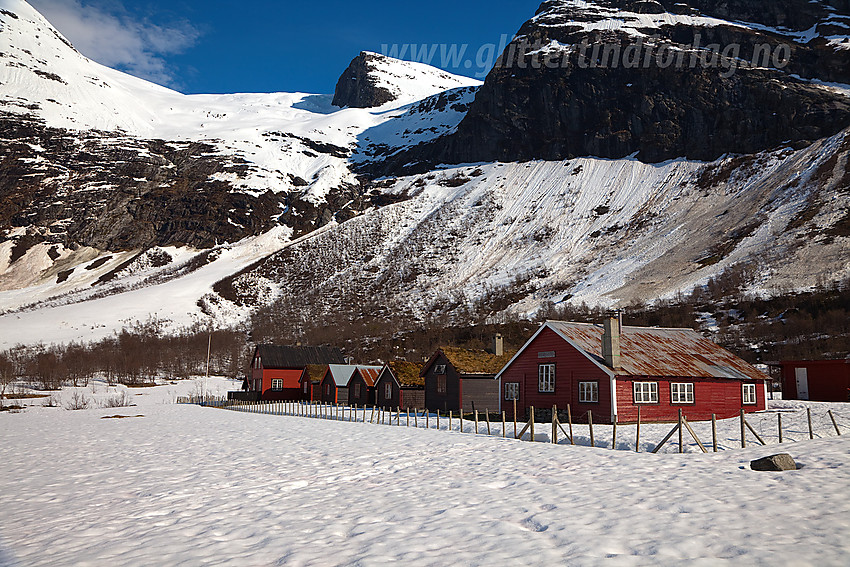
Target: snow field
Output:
[{"x": 192, "y": 485}]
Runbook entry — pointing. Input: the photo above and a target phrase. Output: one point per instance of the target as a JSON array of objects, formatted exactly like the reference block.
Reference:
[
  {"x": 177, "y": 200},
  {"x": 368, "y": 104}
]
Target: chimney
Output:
[
  {"x": 611, "y": 342},
  {"x": 498, "y": 345}
]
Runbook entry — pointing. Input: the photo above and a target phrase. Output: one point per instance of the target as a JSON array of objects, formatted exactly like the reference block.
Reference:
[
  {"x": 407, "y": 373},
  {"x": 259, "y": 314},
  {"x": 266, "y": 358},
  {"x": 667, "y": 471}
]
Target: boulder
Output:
[{"x": 780, "y": 462}]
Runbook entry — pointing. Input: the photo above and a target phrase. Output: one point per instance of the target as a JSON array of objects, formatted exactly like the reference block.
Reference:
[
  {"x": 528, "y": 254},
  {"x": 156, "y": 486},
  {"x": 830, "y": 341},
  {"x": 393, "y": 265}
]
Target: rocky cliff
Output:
[{"x": 660, "y": 80}]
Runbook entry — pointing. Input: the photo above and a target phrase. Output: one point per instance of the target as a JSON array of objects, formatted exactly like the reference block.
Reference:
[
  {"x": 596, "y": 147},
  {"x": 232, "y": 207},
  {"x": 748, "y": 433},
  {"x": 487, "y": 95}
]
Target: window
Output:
[
  {"x": 440, "y": 369},
  {"x": 588, "y": 392},
  {"x": 511, "y": 390},
  {"x": 750, "y": 394},
  {"x": 681, "y": 393},
  {"x": 388, "y": 390},
  {"x": 646, "y": 392},
  {"x": 441, "y": 384},
  {"x": 305, "y": 387},
  {"x": 546, "y": 378},
  {"x": 357, "y": 390},
  {"x": 277, "y": 384},
  {"x": 258, "y": 362},
  {"x": 328, "y": 389}
]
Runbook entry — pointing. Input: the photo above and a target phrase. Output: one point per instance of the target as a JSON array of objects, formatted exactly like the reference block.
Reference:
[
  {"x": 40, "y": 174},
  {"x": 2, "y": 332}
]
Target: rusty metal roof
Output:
[
  {"x": 369, "y": 374},
  {"x": 650, "y": 351}
]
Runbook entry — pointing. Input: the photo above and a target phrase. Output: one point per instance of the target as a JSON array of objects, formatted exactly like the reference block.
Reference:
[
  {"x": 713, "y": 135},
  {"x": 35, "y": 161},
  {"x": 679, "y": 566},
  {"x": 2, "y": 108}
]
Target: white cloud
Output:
[{"x": 112, "y": 37}]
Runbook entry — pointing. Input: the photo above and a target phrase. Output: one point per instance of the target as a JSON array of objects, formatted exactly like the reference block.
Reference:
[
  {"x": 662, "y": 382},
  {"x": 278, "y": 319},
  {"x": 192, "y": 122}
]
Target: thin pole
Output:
[
  {"x": 476, "y": 421},
  {"x": 779, "y": 425},
  {"x": 743, "y": 431},
  {"x": 570, "y": 420},
  {"x": 555, "y": 425},
  {"x": 681, "y": 437},
  {"x": 531, "y": 423},
  {"x": 504, "y": 428},
  {"x": 714, "y": 431},
  {"x": 590, "y": 425},
  {"x": 834, "y": 424},
  {"x": 514, "y": 418},
  {"x": 811, "y": 431},
  {"x": 488, "y": 421},
  {"x": 637, "y": 435},
  {"x": 209, "y": 351},
  {"x": 450, "y": 420},
  {"x": 614, "y": 440}
]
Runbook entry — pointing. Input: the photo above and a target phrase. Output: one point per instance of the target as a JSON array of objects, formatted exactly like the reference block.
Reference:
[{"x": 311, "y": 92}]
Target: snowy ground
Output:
[{"x": 190, "y": 485}]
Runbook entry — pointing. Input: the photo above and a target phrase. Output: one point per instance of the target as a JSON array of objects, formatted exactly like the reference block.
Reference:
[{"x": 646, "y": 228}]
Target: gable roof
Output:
[
  {"x": 369, "y": 374},
  {"x": 650, "y": 351},
  {"x": 341, "y": 373},
  {"x": 274, "y": 356},
  {"x": 472, "y": 361},
  {"x": 405, "y": 373}
]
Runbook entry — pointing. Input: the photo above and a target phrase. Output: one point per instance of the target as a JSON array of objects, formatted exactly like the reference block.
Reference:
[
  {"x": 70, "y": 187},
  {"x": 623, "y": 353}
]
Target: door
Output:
[{"x": 802, "y": 383}]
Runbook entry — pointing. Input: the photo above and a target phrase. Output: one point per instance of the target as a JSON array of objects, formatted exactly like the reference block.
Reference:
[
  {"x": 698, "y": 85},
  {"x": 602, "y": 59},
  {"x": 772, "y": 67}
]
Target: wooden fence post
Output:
[
  {"x": 614, "y": 435},
  {"x": 427, "y": 419},
  {"x": 809, "y": 415},
  {"x": 488, "y": 421},
  {"x": 779, "y": 425},
  {"x": 476, "y": 421},
  {"x": 438, "y": 420},
  {"x": 570, "y": 420},
  {"x": 504, "y": 428},
  {"x": 450, "y": 420},
  {"x": 714, "y": 431},
  {"x": 531, "y": 421},
  {"x": 415, "y": 418},
  {"x": 590, "y": 425},
  {"x": 637, "y": 434},
  {"x": 408, "y": 418},
  {"x": 460, "y": 417},
  {"x": 515, "y": 435},
  {"x": 743, "y": 431},
  {"x": 681, "y": 439},
  {"x": 555, "y": 425},
  {"x": 834, "y": 424},
  {"x": 694, "y": 434}
]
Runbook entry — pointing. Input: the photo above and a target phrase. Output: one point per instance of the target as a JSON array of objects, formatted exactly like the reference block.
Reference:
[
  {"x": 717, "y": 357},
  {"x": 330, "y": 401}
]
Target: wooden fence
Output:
[{"x": 495, "y": 423}]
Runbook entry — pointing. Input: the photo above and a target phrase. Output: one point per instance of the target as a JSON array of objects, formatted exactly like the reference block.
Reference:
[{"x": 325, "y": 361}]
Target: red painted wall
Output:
[
  {"x": 290, "y": 377},
  {"x": 725, "y": 398},
  {"x": 571, "y": 367},
  {"x": 829, "y": 380}
]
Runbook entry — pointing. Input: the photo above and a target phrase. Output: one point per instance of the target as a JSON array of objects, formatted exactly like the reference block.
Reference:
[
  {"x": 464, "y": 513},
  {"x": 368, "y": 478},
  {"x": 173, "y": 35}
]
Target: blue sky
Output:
[{"x": 210, "y": 46}]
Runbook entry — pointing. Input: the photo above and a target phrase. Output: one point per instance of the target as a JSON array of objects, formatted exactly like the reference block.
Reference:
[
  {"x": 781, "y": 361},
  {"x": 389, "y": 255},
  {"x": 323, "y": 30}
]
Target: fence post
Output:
[
  {"x": 488, "y": 420},
  {"x": 408, "y": 418},
  {"x": 504, "y": 429},
  {"x": 714, "y": 431},
  {"x": 514, "y": 418},
  {"x": 743, "y": 431},
  {"x": 476, "y": 421},
  {"x": 438, "y": 420},
  {"x": 590, "y": 425},
  {"x": 614, "y": 435},
  {"x": 570, "y": 420},
  {"x": 531, "y": 422},
  {"x": 555, "y": 425},
  {"x": 809, "y": 415},
  {"x": 637, "y": 435},
  {"x": 450, "y": 420},
  {"x": 427, "y": 418},
  {"x": 834, "y": 424},
  {"x": 779, "y": 425},
  {"x": 460, "y": 417},
  {"x": 681, "y": 437}
]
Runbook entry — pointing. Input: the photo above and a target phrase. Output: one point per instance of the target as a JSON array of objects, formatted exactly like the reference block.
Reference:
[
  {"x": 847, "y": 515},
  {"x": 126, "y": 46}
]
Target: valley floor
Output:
[{"x": 189, "y": 485}]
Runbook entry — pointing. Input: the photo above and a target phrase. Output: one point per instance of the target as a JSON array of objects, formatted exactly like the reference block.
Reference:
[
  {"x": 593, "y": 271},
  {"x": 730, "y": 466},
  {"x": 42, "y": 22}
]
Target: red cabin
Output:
[
  {"x": 612, "y": 372},
  {"x": 816, "y": 380},
  {"x": 277, "y": 371}
]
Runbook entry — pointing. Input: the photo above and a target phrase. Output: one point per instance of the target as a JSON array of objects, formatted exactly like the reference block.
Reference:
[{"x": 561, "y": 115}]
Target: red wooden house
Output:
[
  {"x": 276, "y": 371},
  {"x": 816, "y": 380},
  {"x": 458, "y": 378},
  {"x": 612, "y": 371},
  {"x": 399, "y": 385}
]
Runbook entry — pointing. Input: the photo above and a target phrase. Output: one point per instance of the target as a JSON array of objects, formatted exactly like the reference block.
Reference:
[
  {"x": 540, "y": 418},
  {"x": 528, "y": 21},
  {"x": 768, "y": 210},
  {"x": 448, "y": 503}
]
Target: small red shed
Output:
[
  {"x": 816, "y": 380},
  {"x": 399, "y": 385},
  {"x": 277, "y": 371},
  {"x": 612, "y": 371}
]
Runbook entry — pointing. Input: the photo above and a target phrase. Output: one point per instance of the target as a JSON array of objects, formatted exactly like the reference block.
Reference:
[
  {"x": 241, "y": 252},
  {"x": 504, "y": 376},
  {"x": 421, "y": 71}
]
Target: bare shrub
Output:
[
  {"x": 78, "y": 401},
  {"x": 120, "y": 400}
]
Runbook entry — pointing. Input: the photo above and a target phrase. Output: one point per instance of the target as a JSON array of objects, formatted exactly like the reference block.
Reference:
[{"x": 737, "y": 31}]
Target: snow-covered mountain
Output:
[{"x": 123, "y": 201}]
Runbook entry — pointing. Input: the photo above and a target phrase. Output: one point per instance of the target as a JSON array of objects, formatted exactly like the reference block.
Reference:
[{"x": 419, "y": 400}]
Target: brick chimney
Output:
[
  {"x": 498, "y": 345},
  {"x": 611, "y": 342}
]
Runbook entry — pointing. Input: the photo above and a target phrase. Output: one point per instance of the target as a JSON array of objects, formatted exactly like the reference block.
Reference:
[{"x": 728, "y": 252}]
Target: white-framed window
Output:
[
  {"x": 440, "y": 369},
  {"x": 588, "y": 392},
  {"x": 388, "y": 390},
  {"x": 546, "y": 378},
  {"x": 277, "y": 384},
  {"x": 511, "y": 390},
  {"x": 749, "y": 392},
  {"x": 646, "y": 392},
  {"x": 357, "y": 390},
  {"x": 441, "y": 384},
  {"x": 681, "y": 393},
  {"x": 258, "y": 362}
]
